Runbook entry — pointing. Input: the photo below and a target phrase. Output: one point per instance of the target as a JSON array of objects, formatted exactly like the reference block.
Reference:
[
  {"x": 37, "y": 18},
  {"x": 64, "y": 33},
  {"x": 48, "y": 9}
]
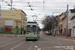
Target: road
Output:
[{"x": 44, "y": 43}]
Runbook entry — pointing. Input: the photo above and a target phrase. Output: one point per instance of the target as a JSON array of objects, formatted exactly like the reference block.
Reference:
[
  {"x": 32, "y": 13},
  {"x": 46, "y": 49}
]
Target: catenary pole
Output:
[
  {"x": 67, "y": 22},
  {"x": 11, "y": 4}
]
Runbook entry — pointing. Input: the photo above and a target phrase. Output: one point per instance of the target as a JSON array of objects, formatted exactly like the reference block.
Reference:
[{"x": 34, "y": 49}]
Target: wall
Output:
[
  {"x": 64, "y": 27},
  {"x": 73, "y": 29},
  {"x": 15, "y": 15},
  {"x": 69, "y": 19}
]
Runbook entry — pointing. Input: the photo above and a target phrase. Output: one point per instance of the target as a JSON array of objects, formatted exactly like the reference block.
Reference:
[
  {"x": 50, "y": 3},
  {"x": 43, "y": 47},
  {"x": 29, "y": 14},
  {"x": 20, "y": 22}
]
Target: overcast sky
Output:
[{"x": 40, "y": 7}]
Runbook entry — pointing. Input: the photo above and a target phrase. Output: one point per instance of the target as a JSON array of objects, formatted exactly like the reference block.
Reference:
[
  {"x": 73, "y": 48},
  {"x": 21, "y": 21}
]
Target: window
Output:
[
  {"x": 73, "y": 24},
  {"x": 31, "y": 28}
]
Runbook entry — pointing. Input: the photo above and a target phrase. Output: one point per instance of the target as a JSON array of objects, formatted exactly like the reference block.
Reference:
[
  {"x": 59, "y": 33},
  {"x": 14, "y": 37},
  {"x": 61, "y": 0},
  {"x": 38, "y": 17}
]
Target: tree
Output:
[{"x": 48, "y": 21}]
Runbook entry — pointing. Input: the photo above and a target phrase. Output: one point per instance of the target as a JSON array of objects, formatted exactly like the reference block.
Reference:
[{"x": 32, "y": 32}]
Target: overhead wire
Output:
[{"x": 43, "y": 1}]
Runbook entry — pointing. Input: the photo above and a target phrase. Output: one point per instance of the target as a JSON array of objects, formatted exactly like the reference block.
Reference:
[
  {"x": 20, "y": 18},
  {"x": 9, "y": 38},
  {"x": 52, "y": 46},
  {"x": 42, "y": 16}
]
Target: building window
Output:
[
  {"x": 73, "y": 24},
  {"x": 73, "y": 31}
]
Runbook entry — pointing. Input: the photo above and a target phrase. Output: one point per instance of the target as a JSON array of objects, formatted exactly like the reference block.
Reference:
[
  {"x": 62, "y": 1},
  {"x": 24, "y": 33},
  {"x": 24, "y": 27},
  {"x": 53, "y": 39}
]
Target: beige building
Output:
[
  {"x": 70, "y": 15},
  {"x": 12, "y": 19}
]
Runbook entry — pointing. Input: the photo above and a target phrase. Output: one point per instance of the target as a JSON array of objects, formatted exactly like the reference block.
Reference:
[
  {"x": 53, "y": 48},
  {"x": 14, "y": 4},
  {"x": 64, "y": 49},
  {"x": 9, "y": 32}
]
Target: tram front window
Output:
[{"x": 31, "y": 28}]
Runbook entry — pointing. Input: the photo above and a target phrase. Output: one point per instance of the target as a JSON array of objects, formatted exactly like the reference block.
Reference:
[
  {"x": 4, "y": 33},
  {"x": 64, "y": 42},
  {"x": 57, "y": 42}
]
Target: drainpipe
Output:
[{"x": 67, "y": 23}]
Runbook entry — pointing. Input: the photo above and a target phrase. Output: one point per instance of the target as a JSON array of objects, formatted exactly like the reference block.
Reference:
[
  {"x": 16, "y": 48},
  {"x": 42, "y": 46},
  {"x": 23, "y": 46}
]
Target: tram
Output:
[{"x": 32, "y": 32}]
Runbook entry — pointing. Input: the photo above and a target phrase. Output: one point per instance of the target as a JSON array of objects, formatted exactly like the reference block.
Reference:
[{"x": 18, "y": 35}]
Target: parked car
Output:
[
  {"x": 46, "y": 32},
  {"x": 49, "y": 34}
]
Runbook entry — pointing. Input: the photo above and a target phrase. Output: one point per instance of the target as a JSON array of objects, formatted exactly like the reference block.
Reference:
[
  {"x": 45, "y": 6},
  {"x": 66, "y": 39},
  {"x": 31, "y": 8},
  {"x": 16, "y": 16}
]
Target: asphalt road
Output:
[{"x": 44, "y": 43}]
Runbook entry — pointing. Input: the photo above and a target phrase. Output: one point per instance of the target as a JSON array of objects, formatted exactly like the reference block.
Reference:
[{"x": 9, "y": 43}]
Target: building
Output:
[
  {"x": 61, "y": 22},
  {"x": 64, "y": 26},
  {"x": 71, "y": 12},
  {"x": 13, "y": 20},
  {"x": 73, "y": 26},
  {"x": 0, "y": 17}
]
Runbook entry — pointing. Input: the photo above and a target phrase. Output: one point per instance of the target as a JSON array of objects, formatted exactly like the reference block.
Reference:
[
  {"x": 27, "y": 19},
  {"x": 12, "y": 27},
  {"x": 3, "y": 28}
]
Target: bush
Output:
[{"x": 2, "y": 29}]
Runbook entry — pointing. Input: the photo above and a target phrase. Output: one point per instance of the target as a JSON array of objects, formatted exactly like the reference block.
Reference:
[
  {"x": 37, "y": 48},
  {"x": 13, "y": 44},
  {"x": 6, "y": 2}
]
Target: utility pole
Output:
[
  {"x": 0, "y": 18},
  {"x": 67, "y": 22},
  {"x": 11, "y": 4}
]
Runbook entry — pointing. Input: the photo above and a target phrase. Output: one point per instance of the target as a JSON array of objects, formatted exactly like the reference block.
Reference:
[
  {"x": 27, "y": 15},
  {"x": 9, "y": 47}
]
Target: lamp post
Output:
[{"x": 11, "y": 4}]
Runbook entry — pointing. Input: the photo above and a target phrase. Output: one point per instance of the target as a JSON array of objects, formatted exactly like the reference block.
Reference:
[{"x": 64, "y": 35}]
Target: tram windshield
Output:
[{"x": 31, "y": 28}]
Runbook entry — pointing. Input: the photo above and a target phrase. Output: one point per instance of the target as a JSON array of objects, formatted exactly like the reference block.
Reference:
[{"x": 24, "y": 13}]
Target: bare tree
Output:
[{"x": 48, "y": 21}]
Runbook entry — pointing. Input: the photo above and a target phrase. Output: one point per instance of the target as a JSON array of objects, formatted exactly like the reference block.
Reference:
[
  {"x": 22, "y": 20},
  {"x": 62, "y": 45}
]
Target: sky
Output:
[{"x": 40, "y": 8}]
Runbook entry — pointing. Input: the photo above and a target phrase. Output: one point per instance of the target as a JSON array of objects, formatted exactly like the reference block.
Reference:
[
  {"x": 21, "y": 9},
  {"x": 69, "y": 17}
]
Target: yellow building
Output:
[{"x": 12, "y": 19}]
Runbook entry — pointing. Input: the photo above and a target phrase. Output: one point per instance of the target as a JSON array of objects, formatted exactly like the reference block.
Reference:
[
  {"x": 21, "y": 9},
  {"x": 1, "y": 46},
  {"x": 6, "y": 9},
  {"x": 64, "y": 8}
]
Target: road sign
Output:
[{"x": 58, "y": 29}]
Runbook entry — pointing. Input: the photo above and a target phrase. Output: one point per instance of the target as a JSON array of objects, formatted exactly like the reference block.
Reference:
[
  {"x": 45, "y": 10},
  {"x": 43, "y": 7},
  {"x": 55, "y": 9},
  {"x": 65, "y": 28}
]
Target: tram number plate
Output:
[{"x": 30, "y": 33}]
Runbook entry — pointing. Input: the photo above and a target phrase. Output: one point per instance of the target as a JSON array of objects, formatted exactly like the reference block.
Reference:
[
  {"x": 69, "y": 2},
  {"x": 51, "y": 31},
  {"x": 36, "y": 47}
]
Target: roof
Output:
[
  {"x": 72, "y": 10},
  {"x": 23, "y": 12},
  {"x": 65, "y": 15},
  {"x": 31, "y": 22},
  {"x": 73, "y": 17},
  {"x": 15, "y": 10}
]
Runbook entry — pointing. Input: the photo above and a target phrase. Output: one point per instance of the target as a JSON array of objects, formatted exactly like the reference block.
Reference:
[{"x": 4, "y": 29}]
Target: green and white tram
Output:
[{"x": 32, "y": 32}]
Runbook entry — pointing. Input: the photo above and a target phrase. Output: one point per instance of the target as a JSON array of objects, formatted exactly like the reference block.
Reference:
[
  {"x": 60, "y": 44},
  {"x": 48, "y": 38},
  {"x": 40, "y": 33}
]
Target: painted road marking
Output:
[
  {"x": 38, "y": 49},
  {"x": 30, "y": 46},
  {"x": 17, "y": 46},
  {"x": 47, "y": 47},
  {"x": 70, "y": 48},
  {"x": 9, "y": 43},
  {"x": 36, "y": 46}
]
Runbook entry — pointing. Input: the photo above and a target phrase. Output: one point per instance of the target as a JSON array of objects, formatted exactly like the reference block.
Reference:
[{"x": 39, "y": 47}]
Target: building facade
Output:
[
  {"x": 61, "y": 22},
  {"x": 73, "y": 26},
  {"x": 64, "y": 26},
  {"x": 70, "y": 15},
  {"x": 13, "y": 20}
]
